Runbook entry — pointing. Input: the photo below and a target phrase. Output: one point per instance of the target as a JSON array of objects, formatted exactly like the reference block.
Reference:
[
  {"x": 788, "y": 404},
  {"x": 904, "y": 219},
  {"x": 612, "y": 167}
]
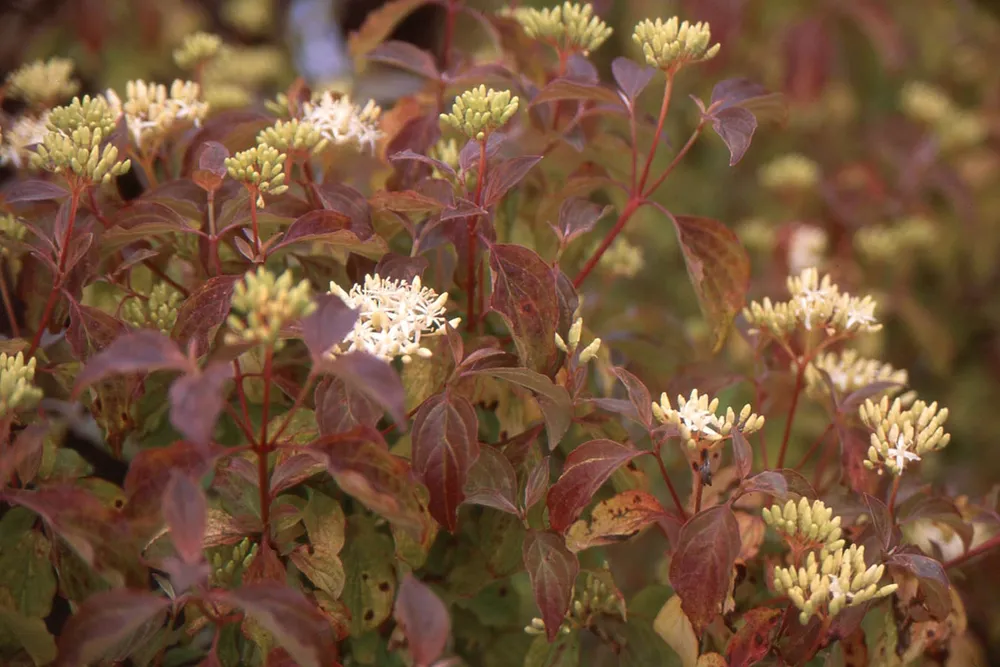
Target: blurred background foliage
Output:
[{"x": 884, "y": 171}]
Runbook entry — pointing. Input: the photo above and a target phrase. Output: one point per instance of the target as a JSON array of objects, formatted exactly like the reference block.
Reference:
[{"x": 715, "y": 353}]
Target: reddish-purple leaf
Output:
[
  {"x": 408, "y": 154},
  {"x": 553, "y": 399},
  {"x": 492, "y": 482},
  {"x": 742, "y": 454},
  {"x": 552, "y": 570},
  {"x": 204, "y": 310},
  {"x": 702, "y": 564},
  {"x": 91, "y": 330},
  {"x": 404, "y": 201},
  {"x": 753, "y": 641},
  {"x": 78, "y": 248},
  {"x": 923, "y": 505},
  {"x": 468, "y": 157},
  {"x": 293, "y": 470},
  {"x": 372, "y": 377},
  {"x": 537, "y": 484},
  {"x": 196, "y": 399},
  {"x": 104, "y": 619},
  {"x": 32, "y": 190},
  {"x": 882, "y": 524},
  {"x": 505, "y": 176},
  {"x": 141, "y": 220},
  {"x": 484, "y": 359},
  {"x": 150, "y": 472},
  {"x": 184, "y": 510},
  {"x": 587, "y": 467},
  {"x": 296, "y": 624},
  {"x": 424, "y": 619},
  {"x": 319, "y": 225},
  {"x": 719, "y": 269},
  {"x": 638, "y": 395},
  {"x": 631, "y": 77},
  {"x": 140, "y": 351},
  {"x": 573, "y": 89},
  {"x": 524, "y": 294},
  {"x": 379, "y": 24},
  {"x": 401, "y": 267},
  {"x": 852, "y": 401},
  {"x": 340, "y": 407},
  {"x": 328, "y": 325},
  {"x": 932, "y": 579},
  {"x": 349, "y": 202},
  {"x": 735, "y": 126},
  {"x": 211, "y": 170},
  {"x": 782, "y": 483},
  {"x": 445, "y": 445},
  {"x": 578, "y": 216},
  {"x": 27, "y": 447},
  {"x": 731, "y": 92},
  {"x": 405, "y": 56}
]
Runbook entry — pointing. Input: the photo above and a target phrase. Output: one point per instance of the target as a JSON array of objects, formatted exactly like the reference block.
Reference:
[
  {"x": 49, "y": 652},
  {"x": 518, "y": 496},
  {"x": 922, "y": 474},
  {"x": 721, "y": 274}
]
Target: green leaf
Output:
[
  {"x": 319, "y": 561},
  {"x": 26, "y": 576},
  {"x": 563, "y": 652},
  {"x": 31, "y": 633},
  {"x": 553, "y": 400},
  {"x": 370, "y": 582}
]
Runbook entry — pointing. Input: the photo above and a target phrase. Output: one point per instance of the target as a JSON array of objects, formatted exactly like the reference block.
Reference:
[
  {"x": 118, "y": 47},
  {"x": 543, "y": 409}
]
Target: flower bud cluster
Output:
[
  {"x": 621, "y": 258},
  {"x": 152, "y": 112},
  {"x": 594, "y": 599},
  {"x": 197, "y": 49},
  {"x": 930, "y": 105},
  {"x": 902, "y": 434},
  {"x": 811, "y": 524},
  {"x": 73, "y": 144},
  {"x": 17, "y": 388},
  {"x": 790, "y": 172},
  {"x": 43, "y": 84},
  {"x": 672, "y": 44},
  {"x": 569, "y": 27},
  {"x": 848, "y": 372},
  {"x": 893, "y": 244},
  {"x": 264, "y": 304},
  {"x": 227, "y": 567},
  {"x": 572, "y": 342},
  {"x": 447, "y": 151},
  {"x": 826, "y": 587},
  {"x": 698, "y": 423},
  {"x": 298, "y": 136},
  {"x": 261, "y": 168},
  {"x": 159, "y": 311},
  {"x": 478, "y": 112}
]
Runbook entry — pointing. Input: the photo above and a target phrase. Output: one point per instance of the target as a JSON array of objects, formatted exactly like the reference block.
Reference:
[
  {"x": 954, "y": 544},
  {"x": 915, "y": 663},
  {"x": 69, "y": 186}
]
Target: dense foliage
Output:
[{"x": 525, "y": 366}]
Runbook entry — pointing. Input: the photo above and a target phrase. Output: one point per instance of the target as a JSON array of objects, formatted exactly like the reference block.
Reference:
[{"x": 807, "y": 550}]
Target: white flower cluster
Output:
[
  {"x": 341, "y": 121},
  {"x": 24, "y": 133},
  {"x": 698, "y": 423},
  {"x": 152, "y": 112},
  {"x": 393, "y": 316}
]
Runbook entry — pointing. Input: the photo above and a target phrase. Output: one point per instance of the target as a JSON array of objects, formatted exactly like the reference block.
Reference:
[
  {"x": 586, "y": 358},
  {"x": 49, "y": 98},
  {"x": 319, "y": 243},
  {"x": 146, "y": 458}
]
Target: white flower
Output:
[
  {"x": 343, "y": 122},
  {"x": 393, "y": 315},
  {"x": 151, "y": 113},
  {"x": 26, "y": 131},
  {"x": 806, "y": 247},
  {"x": 860, "y": 313},
  {"x": 901, "y": 453},
  {"x": 698, "y": 420}
]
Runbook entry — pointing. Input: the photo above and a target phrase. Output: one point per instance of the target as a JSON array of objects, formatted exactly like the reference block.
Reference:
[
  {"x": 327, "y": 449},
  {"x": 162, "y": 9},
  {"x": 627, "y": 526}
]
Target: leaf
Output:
[
  {"x": 140, "y": 351},
  {"x": 211, "y": 171},
  {"x": 32, "y": 190},
  {"x": 578, "y": 216},
  {"x": 319, "y": 561},
  {"x": 702, "y": 564},
  {"x": 327, "y": 325},
  {"x": 405, "y": 56},
  {"x": 537, "y": 484},
  {"x": 197, "y": 399},
  {"x": 553, "y": 399},
  {"x": 150, "y": 472},
  {"x": 424, "y": 619},
  {"x": 631, "y": 77},
  {"x": 881, "y": 522},
  {"x": 103, "y": 620},
  {"x": 142, "y": 220},
  {"x": 742, "y": 454},
  {"x": 572, "y": 89},
  {"x": 719, "y": 269},
  {"x": 331, "y": 228},
  {"x": 492, "y": 482},
  {"x": 372, "y": 377},
  {"x": 340, "y": 407},
  {"x": 348, "y": 202},
  {"x": 31, "y": 633},
  {"x": 587, "y": 467},
  {"x": 185, "y": 510},
  {"x": 296, "y": 624},
  {"x": 524, "y": 295},
  {"x": 563, "y": 652},
  {"x": 401, "y": 267},
  {"x": 409, "y": 155},
  {"x": 753, "y": 97},
  {"x": 405, "y": 201},
  {"x": 853, "y": 401},
  {"x": 735, "y": 126},
  {"x": 552, "y": 570},
  {"x": 614, "y": 520},
  {"x": 445, "y": 445},
  {"x": 379, "y": 24},
  {"x": 505, "y": 176},
  {"x": 203, "y": 311},
  {"x": 783, "y": 483},
  {"x": 91, "y": 330},
  {"x": 939, "y": 509},
  {"x": 753, "y": 640},
  {"x": 638, "y": 395},
  {"x": 676, "y": 630},
  {"x": 371, "y": 580},
  {"x": 932, "y": 579}
]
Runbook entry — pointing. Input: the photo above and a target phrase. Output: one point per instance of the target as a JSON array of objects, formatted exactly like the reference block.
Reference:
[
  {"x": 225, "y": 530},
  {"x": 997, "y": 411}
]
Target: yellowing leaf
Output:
[
  {"x": 675, "y": 629},
  {"x": 614, "y": 520},
  {"x": 711, "y": 660}
]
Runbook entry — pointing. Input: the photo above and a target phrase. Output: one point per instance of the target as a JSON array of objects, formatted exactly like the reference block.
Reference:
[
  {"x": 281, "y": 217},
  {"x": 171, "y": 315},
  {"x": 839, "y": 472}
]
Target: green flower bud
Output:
[
  {"x": 479, "y": 111},
  {"x": 293, "y": 135},
  {"x": 17, "y": 389},
  {"x": 260, "y": 168},
  {"x": 265, "y": 304},
  {"x": 672, "y": 44},
  {"x": 43, "y": 83},
  {"x": 568, "y": 27},
  {"x": 196, "y": 49}
]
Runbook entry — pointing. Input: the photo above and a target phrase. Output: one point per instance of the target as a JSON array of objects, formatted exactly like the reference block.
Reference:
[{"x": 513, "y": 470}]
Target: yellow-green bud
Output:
[
  {"x": 158, "y": 311},
  {"x": 698, "y": 423},
  {"x": 43, "y": 83},
  {"x": 792, "y": 171},
  {"x": 249, "y": 16},
  {"x": 479, "y": 111},
  {"x": 261, "y": 167},
  {"x": 293, "y": 135},
  {"x": 196, "y": 49},
  {"x": 672, "y": 44},
  {"x": 809, "y": 522},
  {"x": 901, "y": 434},
  {"x": 568, "y": 27},
  {"x": 17, "y": 389},
  {"x": 263, "y": 304},
  {"x": 73, "y": 144}
]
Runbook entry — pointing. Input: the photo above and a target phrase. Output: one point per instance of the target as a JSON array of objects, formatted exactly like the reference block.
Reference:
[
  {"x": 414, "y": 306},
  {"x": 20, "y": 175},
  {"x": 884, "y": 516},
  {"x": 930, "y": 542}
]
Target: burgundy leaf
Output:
[
  {"x": 719, "y": 269},
  {"x": 349, "y": 202},
  {"x": 553, "y": 399},
  {"x": 580, "y": 69},
  {"x": 78, "y": 248},
  {"x": 809, "y": 55},
  {"x": 296, "y": 624},
  {"x": 327, "y": 325},
  {"x": 468, "y": 157},
  {"x": 184, "y": 509},
  {"x": 735, "y": 126},
  {"x": 742, "y": 454},
  {"x": 572, "y": 89},
  {"x": 204, "y": 310},
  {"x": 753, "y": 641},
  {"x": 631, "y": 77},
  {"x": 638, "y": 395},
  {"x": 196, "y": 399},
  {"x": 932, "y": 579},
  {"x": 372, "y": 377},
  {"x": 853, "y": 400},
  {"x": 405, "y": 56},
  {"x": 524, "y": 294},
  {"x": 731, "y": 92},
  {"x": 587, "y": 467},
  {"x": 578, "y": 216},
  {"x": 424, "y": 620},
  {"x": 104, "y": 619},
  {"x": 140, "y": 351},
  {"x": 492, "y": 482},
  {"x": 319, "y": 225},
  {"x": 782, "y": 483},
  {"x": 408, "y": 154},
  {"x": 702, "y": 564},
  {"x": 293, "y": 470},
  {"x": 32, "y": 190},
  {"x": 27, "y": 447},
  {"x": 150, "y": 472},
  {"x": 505, "y": 176},
  {"x": 401, "y": 267},
  {"x": 445, "y": 446},
  {"x": 882, "y": 524},
  {"x": 211, "y": 170},
  {"x": 552, "y": 570},
  {"x": 537, "y": 484},
  {"x": 484, "y": 359},
  {"x": 91, "y": 330},
  {"x": 340, "y": 407},
  {"x": 405, "y": 201},
  {"x": 923, "y": 505},
  {"x": 141, "y": 220}
]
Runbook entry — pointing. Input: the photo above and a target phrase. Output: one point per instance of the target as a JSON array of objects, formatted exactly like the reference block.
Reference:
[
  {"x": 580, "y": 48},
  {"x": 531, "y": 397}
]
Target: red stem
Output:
[
  {"x": 677, "y": 158},
  {"x": 8, "y": 303},
  {"x": 670, "y": 485},
  {"x": 306, "y": 386},
  {"x": 698, "y": 488},
  {"x": 470, "y": 275},
  {"x": 988, "y": 545},
  {"x": 892, "y": 496},
  {"x": 630, "y": 208},
  {"x": 791, "y": 412},
  {"x": 253, "y": 221},
  {"x": 57, "y": 279},
  {"x": 263, "y": 448},
  {"x": 667, "y": 92},
  {"x": 213, "y": 238}
]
